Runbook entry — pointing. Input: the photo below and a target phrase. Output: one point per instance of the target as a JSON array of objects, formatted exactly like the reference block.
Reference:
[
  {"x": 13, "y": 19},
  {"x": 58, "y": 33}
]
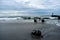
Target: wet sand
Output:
[{"x": 21, "y": 31}]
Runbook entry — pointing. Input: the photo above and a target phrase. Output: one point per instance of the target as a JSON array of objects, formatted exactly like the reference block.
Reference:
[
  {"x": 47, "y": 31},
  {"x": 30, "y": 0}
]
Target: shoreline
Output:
[{"x": 21, "y": 31}]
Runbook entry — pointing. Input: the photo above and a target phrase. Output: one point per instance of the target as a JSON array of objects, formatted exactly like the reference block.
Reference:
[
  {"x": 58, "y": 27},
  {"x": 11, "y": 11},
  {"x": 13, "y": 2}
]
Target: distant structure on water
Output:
[{"x": 55, "y": 16}]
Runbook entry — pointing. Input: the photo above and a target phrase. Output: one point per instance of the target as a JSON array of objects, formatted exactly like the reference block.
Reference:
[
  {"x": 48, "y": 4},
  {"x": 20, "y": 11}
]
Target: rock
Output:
[
  {"x": 36, "y": 33},
  {"x": 35, "y": 20},
  {"x": 43, "y": 20}
]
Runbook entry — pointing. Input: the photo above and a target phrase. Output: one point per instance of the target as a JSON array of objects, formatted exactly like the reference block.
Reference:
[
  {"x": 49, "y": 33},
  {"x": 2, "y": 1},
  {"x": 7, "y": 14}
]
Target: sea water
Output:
[
  {"x": 56, "y": 22},
  {"x": 13, "y": 20},
  {"x": 21, "y": 20}
]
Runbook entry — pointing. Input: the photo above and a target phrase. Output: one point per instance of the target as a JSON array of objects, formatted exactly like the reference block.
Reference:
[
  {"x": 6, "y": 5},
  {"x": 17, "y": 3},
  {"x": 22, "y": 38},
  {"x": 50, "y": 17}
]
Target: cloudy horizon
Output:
[{"x": 30, "y": 6}]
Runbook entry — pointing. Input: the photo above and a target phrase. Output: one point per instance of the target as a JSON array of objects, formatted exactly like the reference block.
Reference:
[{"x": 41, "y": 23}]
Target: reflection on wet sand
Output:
[{"x": 22, "y": 31}]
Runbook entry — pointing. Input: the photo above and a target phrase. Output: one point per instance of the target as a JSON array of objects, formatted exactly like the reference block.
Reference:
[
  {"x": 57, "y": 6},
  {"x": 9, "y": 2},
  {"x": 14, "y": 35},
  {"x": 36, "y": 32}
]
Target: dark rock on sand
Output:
[{"x": 36, "y": 34}]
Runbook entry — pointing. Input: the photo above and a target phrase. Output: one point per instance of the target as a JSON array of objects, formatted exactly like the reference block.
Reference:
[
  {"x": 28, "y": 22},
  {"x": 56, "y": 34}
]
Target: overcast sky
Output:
[{"x": 30, "y": 5}]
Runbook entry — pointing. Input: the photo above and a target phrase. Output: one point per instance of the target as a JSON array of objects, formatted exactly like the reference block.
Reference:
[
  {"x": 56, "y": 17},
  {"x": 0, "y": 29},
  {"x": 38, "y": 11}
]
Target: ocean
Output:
[{"x": 21, "y": 20}]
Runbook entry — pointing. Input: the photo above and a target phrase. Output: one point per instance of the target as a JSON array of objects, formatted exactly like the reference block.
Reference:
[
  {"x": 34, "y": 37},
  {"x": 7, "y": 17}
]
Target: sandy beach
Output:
[{"x": 21, "y": 31}]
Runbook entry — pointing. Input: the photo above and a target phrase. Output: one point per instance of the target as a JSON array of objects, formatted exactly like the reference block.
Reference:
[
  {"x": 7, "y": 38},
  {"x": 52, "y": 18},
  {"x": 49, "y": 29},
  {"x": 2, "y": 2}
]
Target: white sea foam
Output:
[
  {"x": 13, "y": 20},
  {"x": 56, "y": 22},
  {"x": 21, "y": 20}
]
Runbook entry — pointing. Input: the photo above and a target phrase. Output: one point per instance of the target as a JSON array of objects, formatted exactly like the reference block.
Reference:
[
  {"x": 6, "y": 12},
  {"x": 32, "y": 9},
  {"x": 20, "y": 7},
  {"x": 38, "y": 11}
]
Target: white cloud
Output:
[
  {"x": 40, "y": 4},
  {"x": 37, "y": 4},
  {"x": 46, "y": 4}
]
